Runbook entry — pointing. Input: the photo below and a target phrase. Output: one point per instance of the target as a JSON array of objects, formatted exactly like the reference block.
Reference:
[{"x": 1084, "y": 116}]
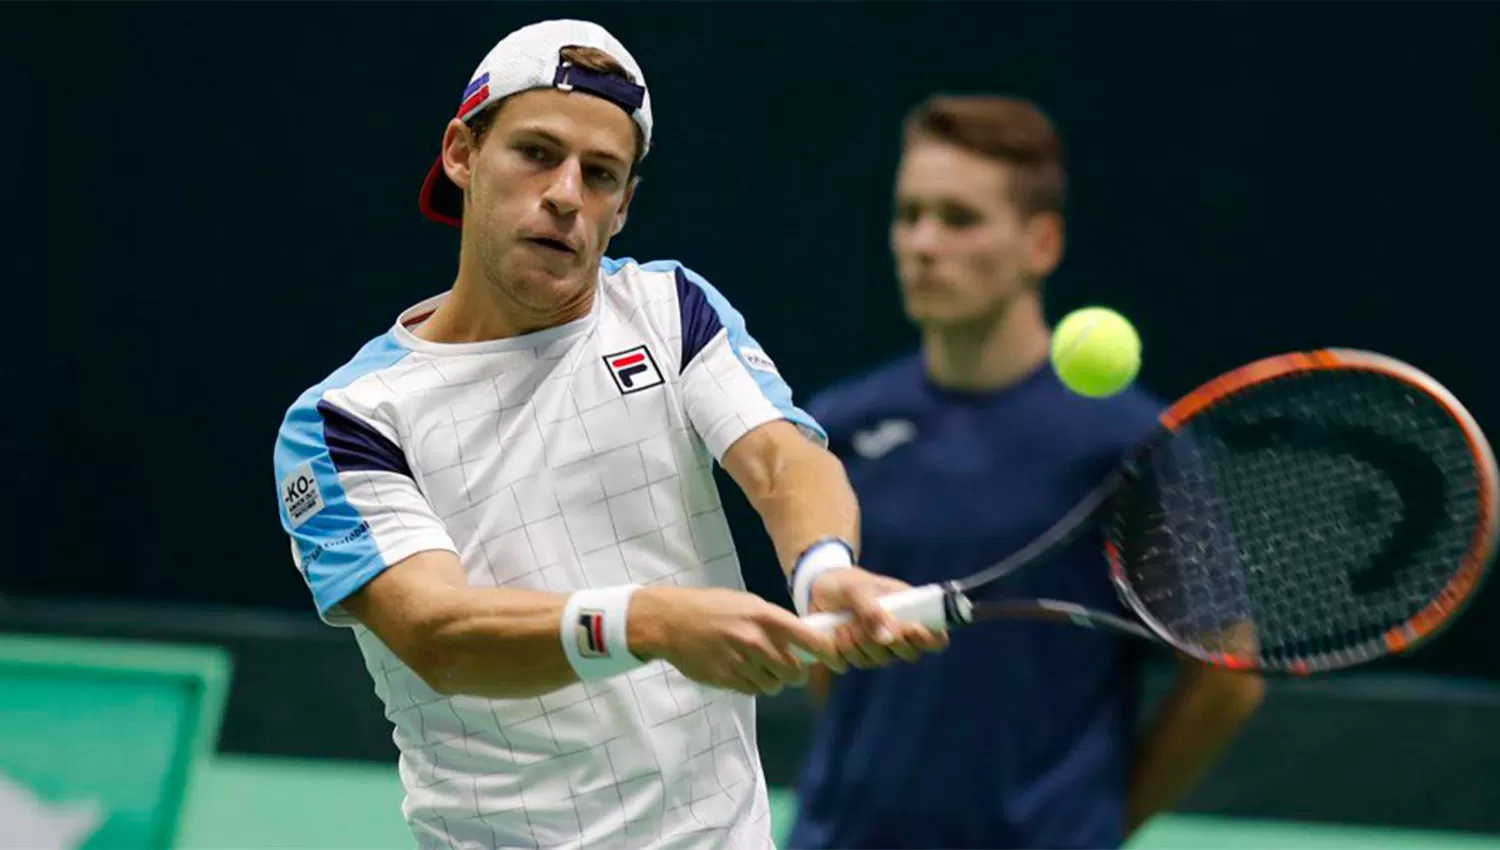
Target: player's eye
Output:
[
  {"x": 907, "y": 214},
  {"x": 959, "y": 218},
  {"x": 535, "y": 153},
  {"x": 601, "y": 177}
]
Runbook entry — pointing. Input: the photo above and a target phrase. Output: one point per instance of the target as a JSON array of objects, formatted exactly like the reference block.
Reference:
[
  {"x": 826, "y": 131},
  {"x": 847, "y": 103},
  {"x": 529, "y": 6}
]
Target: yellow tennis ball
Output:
[{"x": 1096, "y": 352}]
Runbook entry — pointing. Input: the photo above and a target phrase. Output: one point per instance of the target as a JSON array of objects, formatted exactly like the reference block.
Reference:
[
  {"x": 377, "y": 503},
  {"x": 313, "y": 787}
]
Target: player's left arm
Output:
[
  {"x": 803, "y": 496},
  {"x": 1190, "y": 730},
  {"x": 742, "y": 409},
  {"x": 799, "y": 489}
]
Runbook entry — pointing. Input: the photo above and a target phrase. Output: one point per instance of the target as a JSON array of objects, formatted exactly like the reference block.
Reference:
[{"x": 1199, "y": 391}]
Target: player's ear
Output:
[
  {"x": 458, "y": 153},
  {"x": 1046, "y": 244}
]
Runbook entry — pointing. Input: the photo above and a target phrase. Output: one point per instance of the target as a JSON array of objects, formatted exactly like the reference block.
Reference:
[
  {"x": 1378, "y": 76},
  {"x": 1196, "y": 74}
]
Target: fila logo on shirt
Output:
[
  {"x": 591, "y": 633},
  {"x": 634, "y": 369}
]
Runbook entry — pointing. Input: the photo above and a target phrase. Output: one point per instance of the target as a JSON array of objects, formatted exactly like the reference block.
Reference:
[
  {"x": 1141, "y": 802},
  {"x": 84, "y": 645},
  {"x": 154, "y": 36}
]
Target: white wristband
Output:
[
  {"x": 819, "y": 558},
  {"x": 593, "y": 632}
]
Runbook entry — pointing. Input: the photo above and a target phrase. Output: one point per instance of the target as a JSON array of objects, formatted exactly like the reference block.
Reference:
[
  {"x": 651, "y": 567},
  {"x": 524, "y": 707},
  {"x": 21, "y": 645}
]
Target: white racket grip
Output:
[{"x": 923, "y": 605}]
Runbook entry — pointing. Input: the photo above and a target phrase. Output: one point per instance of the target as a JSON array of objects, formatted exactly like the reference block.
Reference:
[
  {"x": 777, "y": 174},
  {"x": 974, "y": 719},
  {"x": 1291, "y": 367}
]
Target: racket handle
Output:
[{"x": 925, "y": 605}]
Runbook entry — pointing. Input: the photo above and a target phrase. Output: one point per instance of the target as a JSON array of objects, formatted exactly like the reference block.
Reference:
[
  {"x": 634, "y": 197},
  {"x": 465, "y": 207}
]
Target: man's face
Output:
[
  {"x": 963, "y": 249},
  {"x": 545, "y": 191}
]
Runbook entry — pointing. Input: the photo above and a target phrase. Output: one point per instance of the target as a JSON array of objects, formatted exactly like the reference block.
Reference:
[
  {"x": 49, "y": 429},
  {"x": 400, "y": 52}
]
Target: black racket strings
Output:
[{"x": 1301, "y": 519}]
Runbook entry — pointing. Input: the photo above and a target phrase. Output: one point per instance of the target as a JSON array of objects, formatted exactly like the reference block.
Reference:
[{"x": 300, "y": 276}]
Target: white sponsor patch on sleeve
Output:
[
  {"x": 758, "y": 360},
  {"x": 300, "y": 494}
]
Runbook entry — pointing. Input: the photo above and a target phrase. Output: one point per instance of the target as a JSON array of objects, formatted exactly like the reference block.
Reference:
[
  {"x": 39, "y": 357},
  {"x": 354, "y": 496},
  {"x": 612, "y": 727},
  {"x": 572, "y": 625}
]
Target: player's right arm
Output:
[
  {"x": 372, "y": 550},
  {"x": 462, "y": 640},
  {"x": 506, "y": 643}
]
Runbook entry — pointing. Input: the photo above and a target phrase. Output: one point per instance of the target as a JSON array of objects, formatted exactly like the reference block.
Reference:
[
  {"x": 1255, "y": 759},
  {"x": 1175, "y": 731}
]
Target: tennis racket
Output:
[{"x": 1303, "y": 513}]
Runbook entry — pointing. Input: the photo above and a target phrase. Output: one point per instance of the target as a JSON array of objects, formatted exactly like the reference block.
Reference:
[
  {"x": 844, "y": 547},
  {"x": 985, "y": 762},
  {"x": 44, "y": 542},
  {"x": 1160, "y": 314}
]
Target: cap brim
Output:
[{"x": 440, "y": 200}]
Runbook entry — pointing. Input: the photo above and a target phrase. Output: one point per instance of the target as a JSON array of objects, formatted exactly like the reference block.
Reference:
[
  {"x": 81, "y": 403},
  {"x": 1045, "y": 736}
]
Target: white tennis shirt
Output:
[{"x": 578, "y": 456}]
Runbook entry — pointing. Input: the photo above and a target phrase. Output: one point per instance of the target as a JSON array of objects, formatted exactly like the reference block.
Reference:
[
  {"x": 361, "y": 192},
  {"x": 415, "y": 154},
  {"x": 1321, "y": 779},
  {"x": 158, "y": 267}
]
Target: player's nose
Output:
[
  {"x": 564, "y": 195},
  {"x": 925, "y": 235}
]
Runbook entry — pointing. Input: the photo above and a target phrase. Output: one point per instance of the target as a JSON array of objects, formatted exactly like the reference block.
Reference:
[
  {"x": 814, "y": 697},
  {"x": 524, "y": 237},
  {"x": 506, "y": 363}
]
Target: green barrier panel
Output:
[{"x": 99, "y": 740}]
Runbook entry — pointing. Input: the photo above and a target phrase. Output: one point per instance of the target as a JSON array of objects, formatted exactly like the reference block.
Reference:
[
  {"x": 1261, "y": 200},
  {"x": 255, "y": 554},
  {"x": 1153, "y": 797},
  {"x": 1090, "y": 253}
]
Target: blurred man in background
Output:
[
  {"x": 509, "y": 496},
  {"x": 1021, "y": 735}
]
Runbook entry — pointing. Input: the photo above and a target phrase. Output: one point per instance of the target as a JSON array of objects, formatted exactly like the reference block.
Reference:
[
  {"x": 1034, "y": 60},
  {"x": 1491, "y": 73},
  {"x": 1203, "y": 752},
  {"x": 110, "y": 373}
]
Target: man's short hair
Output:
[
  {"x": 1009, "y": 130},
  {"x": 591, "y": 58}
]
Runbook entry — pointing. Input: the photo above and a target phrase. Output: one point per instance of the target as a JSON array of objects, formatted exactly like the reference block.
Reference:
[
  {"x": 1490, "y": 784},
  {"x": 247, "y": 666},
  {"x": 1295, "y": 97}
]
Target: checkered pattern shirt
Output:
[{"x": 574, "y": 457}]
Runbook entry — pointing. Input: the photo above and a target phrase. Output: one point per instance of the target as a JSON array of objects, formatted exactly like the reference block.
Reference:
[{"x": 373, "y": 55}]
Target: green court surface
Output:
[
  {"x": 120, "y": 736},
  {"x": 239, "y": 803}
]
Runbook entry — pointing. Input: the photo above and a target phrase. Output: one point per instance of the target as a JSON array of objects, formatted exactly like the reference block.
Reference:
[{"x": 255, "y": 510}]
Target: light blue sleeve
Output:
[{"x": 344, "y": 531}]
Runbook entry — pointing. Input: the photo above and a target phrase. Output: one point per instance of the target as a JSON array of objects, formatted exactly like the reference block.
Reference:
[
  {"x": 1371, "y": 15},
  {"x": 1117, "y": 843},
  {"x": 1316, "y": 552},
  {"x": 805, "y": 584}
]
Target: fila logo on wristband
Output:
[
  {"x": 591, "y": 641},
  {"x": 595, "y": 633}
]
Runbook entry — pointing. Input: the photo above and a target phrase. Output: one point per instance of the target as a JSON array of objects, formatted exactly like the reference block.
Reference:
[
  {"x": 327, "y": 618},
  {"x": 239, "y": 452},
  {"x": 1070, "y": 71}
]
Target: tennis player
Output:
[
  {"x": 1021, "y": 735},
  {"x": 509, "y": 496}
]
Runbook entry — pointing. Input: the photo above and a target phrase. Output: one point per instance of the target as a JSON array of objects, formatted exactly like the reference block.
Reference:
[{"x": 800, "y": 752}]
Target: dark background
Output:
[{"x": 213, "y": 205}]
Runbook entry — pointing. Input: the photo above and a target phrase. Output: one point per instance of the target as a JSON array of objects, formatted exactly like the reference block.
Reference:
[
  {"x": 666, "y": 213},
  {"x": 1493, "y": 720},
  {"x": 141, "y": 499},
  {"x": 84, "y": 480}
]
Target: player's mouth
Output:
[
  {"x": 552, "y": 245},
  {"x": 926, "y": 285}
]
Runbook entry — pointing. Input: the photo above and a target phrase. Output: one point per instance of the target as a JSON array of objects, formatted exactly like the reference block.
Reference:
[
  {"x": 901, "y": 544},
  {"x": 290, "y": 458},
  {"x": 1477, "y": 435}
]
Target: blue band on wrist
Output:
[{"x": 827, "y": 553}]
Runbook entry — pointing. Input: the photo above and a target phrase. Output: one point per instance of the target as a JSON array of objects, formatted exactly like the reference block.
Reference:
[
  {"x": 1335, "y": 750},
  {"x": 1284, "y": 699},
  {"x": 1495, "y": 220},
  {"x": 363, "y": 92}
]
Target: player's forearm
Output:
[
  {"x": 489, "y": 642},
  {"x": 507, "y": 644},
  {"x": 805, "y": 496},
  {"x": 1189, "y": 732}
]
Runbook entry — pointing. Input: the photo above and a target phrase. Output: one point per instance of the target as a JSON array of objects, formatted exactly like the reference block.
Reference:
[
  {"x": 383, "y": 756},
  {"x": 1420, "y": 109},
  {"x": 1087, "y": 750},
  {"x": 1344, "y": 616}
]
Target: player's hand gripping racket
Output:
[{"x": 1302, "y": 513}]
